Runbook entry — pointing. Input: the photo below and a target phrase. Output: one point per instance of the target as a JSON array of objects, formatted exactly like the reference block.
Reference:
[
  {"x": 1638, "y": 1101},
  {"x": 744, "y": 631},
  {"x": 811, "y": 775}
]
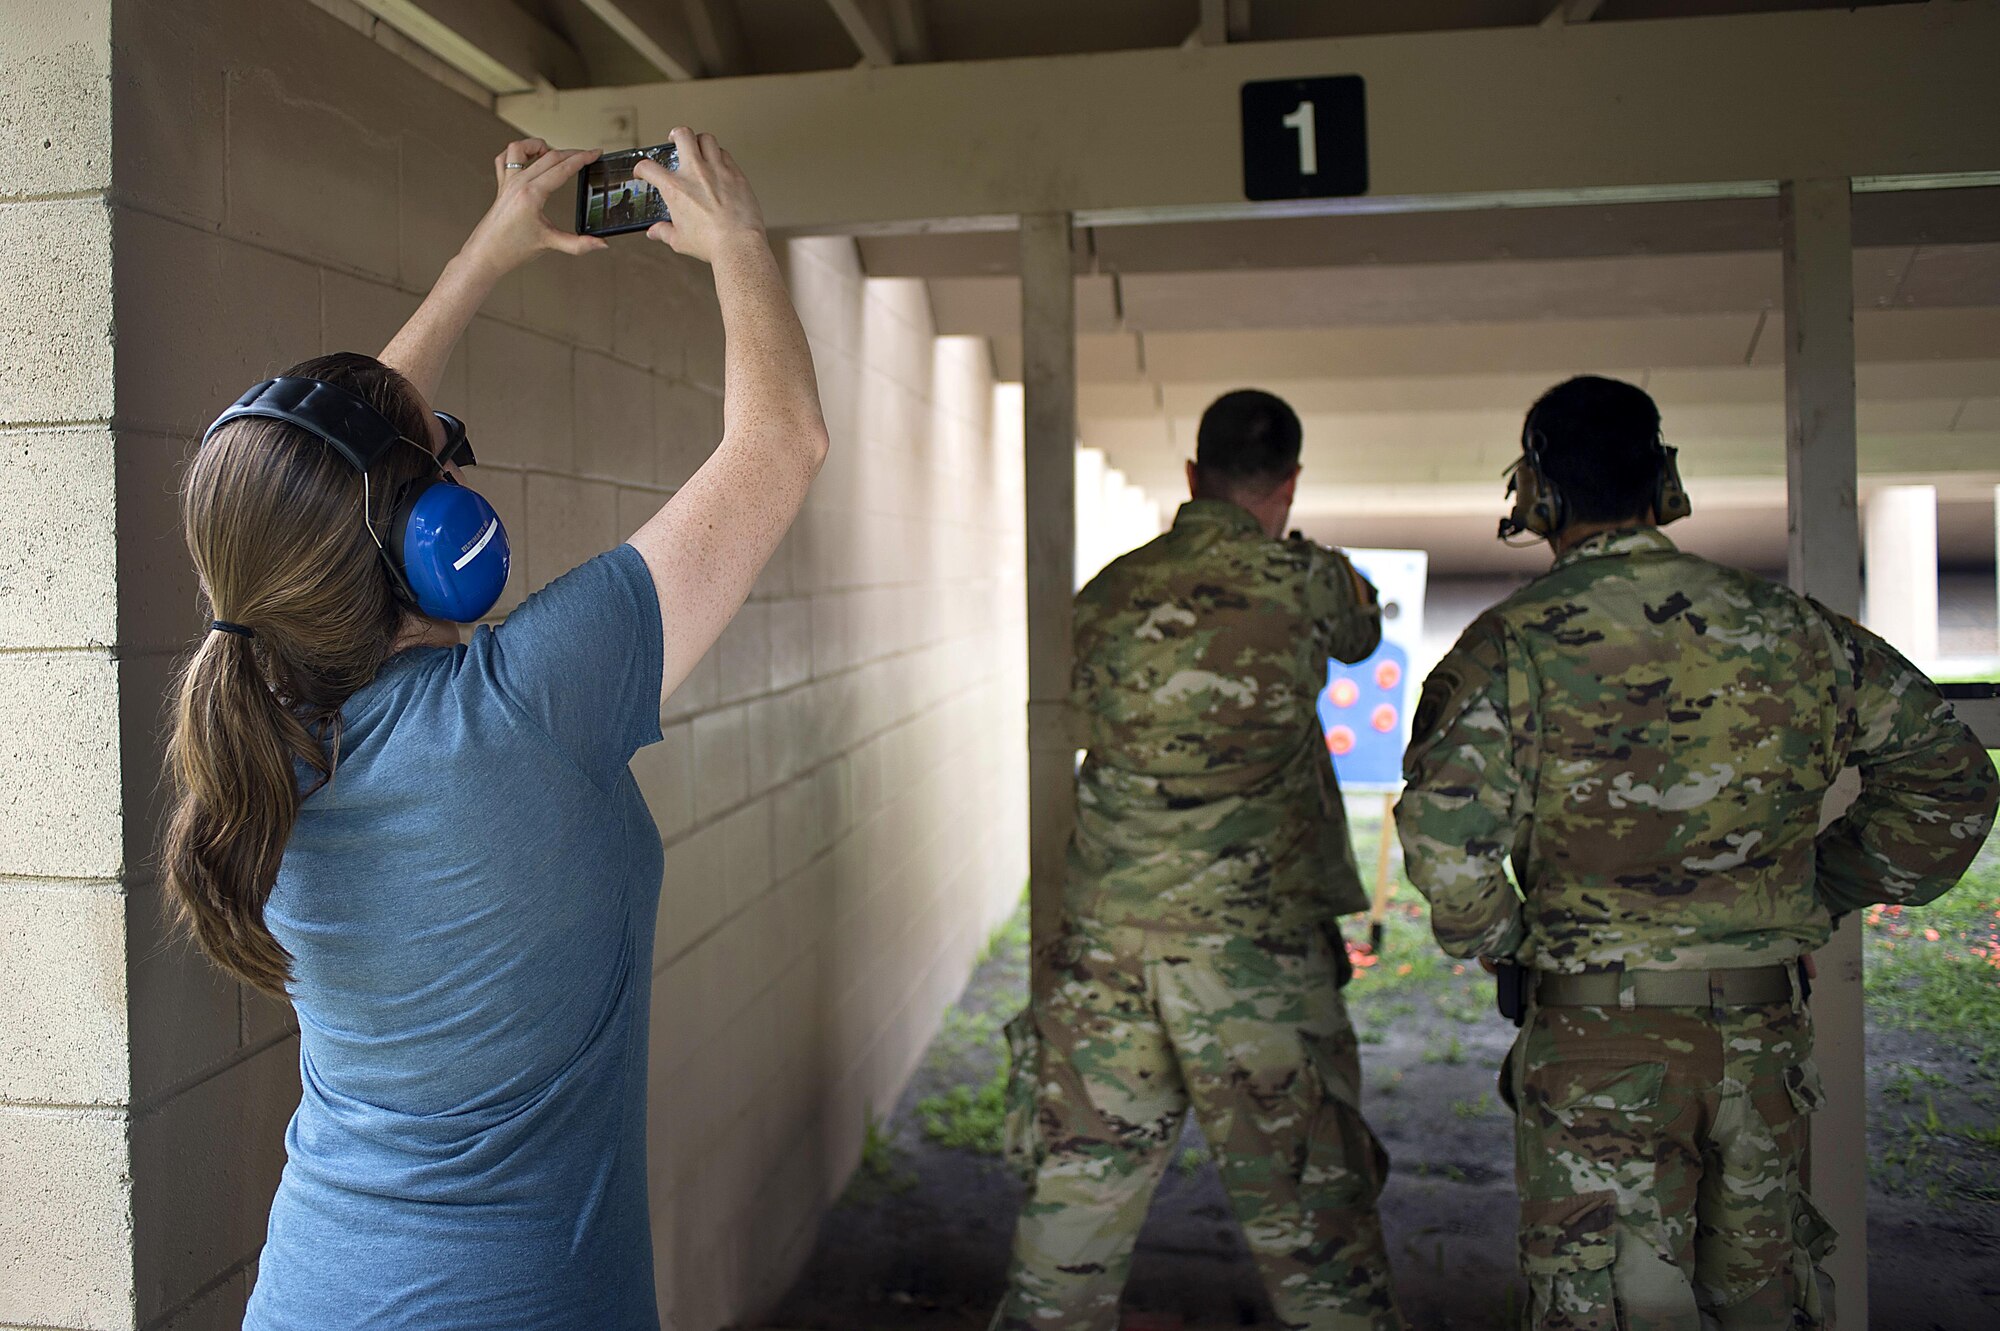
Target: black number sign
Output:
[{"x": 1304, "y": 138}]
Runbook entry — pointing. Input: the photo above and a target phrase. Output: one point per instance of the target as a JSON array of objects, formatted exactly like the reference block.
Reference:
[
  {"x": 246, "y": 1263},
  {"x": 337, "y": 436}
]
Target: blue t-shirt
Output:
[{"x": 469, "y": 906}]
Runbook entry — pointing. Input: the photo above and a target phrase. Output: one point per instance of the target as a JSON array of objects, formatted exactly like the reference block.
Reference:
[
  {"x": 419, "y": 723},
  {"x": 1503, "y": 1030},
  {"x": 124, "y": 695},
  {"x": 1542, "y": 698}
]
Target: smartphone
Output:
[{"x": 610, "y": 200}]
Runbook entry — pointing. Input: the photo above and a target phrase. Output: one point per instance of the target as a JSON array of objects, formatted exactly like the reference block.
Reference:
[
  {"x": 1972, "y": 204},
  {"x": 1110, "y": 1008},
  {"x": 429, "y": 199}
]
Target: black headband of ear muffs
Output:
[{"x": 351, "y": 427}]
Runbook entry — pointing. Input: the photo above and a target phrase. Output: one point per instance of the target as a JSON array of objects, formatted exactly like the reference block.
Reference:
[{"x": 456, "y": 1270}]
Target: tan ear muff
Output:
[
  {"x": 1538, "y": 505},
  {"x": 1670, "y": 498}
]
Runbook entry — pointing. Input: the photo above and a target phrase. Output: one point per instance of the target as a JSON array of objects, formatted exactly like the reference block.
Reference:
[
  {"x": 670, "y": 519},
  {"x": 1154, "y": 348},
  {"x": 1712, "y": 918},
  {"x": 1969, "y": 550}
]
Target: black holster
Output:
[{"x": 1510, "y": 991}]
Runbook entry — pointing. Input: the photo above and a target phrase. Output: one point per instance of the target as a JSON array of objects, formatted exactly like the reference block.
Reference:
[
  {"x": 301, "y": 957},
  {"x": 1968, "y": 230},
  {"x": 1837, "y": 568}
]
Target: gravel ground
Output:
[{"x": 920, "y": 1239}]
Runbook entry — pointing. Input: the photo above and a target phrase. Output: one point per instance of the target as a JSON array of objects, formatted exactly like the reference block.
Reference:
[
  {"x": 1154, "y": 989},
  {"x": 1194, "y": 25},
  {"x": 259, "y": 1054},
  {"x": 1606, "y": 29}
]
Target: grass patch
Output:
[
  {"x": 1936, "y": 968},
  {"x": 967, "y": 1118}
]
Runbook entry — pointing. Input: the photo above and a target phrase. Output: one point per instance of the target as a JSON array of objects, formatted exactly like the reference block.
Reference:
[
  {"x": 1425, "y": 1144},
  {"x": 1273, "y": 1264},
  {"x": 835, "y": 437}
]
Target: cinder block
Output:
[
  {"x": 220, "y": 1309},
  {"x": 699, "y": 326},
  {"x": 306, "y": 177},
  {"x": 58, "y": 579},
  {"x": 60, "y": 814},
  {"x": 264, "y": 1017},
  {"x": 446, "y": 186},
  {"x": 688, "y": 426},
  {"x": 145, "y": 703},
  {"x": 746, "y": 854},
  {"x": 55, "y": 98},
  {"x": 357, "y": 314},
  {"x": 697, "y": 692},
  {"x": 665, "y": 773},
  {"x": 185, "y": 1014},
  {"x": 159, "y": 596},
  {"x": 63, "y": 1036},
  {"x": 171, "y": 148},
  {"x": 791, "y": 642},
  {"x": 825, "y": 275},
  {"x": 745, "y": 645},
  {"x": 204, "y": 1166},
  {"x": 66, "y": 1230},
  {"x": 775, "y": 578},
  {"x": 613, "y": 416},
  {"x": 797, "y": 827},
  {"x": 522, "y": 385},
  {"x": 693, "y": 897},
  {"x": 569, "y": 297},
  {"x": 721, "y": 774},
  {"x": 568, "y": 522},
  {"x": 55, "y": 313},
  {"x": 637, "y": 507},
  {"x": 200, "y": 319},
  {"x": 648, "y": 305}
]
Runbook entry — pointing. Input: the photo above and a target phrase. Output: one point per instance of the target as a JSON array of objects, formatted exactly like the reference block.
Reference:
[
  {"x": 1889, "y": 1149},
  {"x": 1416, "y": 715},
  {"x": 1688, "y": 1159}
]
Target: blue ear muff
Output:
[{"x": 451, "y": 548}]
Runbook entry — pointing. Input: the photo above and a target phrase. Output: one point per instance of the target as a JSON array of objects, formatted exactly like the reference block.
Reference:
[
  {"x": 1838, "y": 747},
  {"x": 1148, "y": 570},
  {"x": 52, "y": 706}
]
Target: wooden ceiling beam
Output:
[
  {"x": 867, "y": 23},
  {"x": 644, "y": 26},
  {"x": 495, "y": 43}
]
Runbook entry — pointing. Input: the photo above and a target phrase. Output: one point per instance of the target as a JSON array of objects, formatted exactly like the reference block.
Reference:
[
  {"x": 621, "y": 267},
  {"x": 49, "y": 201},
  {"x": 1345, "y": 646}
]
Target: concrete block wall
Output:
[
  {"x": 66, "y": 1233},
  {"x": 843, "y": 791},
  {"x": 214, "y": 189}
]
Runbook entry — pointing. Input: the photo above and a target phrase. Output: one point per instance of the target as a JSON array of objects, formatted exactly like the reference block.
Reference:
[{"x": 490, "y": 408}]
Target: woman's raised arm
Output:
[
  {"x": 707, "y": 545},
  {"x": 514, "y": 230}
]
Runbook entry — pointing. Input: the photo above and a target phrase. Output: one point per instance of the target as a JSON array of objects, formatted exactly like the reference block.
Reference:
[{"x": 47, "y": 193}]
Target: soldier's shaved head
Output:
[{"x": 1600, "y": 444}]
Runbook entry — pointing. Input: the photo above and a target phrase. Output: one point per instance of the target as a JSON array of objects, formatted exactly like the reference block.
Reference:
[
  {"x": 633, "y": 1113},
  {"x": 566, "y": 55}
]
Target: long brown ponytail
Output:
[{"x": 273, "y": 519}]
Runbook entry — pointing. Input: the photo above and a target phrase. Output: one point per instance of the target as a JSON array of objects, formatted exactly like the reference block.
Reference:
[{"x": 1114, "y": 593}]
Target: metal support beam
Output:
[
  {"x": 495, "y": 43},
  {"x": 1048, "y": 364},
  {"x": 644, "y": 26},
  {"x": 1516, "y": 111},
  {"x": 868, "y": 24},
  {"x": 1824, "y": 561}
]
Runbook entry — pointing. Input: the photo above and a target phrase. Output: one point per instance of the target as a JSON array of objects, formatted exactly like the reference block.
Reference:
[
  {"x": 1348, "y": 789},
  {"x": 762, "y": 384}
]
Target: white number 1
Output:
[{"x": 1301, "y": 119}]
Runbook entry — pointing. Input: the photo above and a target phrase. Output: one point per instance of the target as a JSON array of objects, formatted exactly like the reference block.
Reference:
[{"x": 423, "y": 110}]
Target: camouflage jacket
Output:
[
  {"x": 1649, "y": 737},
  {"x": 1206, "y": 799}
]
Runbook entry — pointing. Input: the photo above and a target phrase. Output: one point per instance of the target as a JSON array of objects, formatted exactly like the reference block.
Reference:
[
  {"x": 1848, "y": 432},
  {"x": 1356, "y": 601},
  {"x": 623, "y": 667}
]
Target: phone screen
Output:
[{"x": 611, "y": 200}]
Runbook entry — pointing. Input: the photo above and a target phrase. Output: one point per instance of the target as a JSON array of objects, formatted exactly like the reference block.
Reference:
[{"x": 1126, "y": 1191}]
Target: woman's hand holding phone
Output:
[
  {"x": 710, "y": 201},
  {"x": 516, "y": 228}
]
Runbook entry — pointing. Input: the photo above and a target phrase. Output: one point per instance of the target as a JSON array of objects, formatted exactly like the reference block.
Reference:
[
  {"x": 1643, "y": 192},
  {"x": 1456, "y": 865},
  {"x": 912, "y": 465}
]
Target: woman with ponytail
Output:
[{"x": 433, "y": 846}]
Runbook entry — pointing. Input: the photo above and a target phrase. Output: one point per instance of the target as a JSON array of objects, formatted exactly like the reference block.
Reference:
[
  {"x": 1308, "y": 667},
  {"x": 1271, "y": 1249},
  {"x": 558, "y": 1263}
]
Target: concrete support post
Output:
[
  {"x": 1824, "y": 561},
  {"x": 1902, "y": 550},
  {"x": 1048, "y": 373}
]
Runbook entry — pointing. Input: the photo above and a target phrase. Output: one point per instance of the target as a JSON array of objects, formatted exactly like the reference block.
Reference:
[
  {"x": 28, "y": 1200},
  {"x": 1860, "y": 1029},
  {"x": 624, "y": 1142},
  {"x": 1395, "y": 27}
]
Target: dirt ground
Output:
[{"x": 920, "y": 1239}]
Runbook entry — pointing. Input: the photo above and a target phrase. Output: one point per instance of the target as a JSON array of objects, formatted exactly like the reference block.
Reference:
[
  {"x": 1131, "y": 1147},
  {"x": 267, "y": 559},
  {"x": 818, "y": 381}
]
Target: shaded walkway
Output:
[{"x": 920, "y": 1238}]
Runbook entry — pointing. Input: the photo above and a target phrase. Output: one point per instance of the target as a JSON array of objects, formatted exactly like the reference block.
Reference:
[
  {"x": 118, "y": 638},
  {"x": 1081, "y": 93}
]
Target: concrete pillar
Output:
[
  {"x": 1824, "y": 561},
  {"x": 1903, "y": 569},
  {"x": 66, "y": 1120},
  {"x": 1048, "y": 374}
]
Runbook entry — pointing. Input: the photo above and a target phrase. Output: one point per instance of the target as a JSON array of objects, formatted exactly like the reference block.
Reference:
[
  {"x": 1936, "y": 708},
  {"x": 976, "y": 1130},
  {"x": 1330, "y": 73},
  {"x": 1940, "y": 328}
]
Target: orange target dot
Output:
[
  {"x": 1339, "y": 740},
  {"x": 1344, "y": 691},
  {"x": 1384, "y": 718},
  {"x": 1388, "y": 675}
]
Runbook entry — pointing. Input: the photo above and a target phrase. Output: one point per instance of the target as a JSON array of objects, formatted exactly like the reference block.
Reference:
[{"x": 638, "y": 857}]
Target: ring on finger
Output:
[{"x": 517, "y": 166}]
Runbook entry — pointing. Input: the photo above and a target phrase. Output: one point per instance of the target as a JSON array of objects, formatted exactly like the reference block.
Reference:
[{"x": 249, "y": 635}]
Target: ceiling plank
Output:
[
  {"x": 913, "y": 36},
  {"x": 1572, "y": 11},
  {"x": 644, "y": 26},
  {"x": 718, "y": 37},
  {"x": 495, "y": 43},
  {"x": 868, "y": 25}
]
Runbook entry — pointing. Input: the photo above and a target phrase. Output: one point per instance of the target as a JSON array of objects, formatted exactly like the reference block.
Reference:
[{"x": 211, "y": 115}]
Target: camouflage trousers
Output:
[
  {"x": 1658, "y": 1156},
  {"x": 1253, "y": 1036}
]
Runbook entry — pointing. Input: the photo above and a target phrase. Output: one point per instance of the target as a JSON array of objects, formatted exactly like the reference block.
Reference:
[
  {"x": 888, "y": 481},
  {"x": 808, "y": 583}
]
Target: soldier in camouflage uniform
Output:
[
  {"x": 1648, "y": 737},
  {"x": 1198, "y": 960}
]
